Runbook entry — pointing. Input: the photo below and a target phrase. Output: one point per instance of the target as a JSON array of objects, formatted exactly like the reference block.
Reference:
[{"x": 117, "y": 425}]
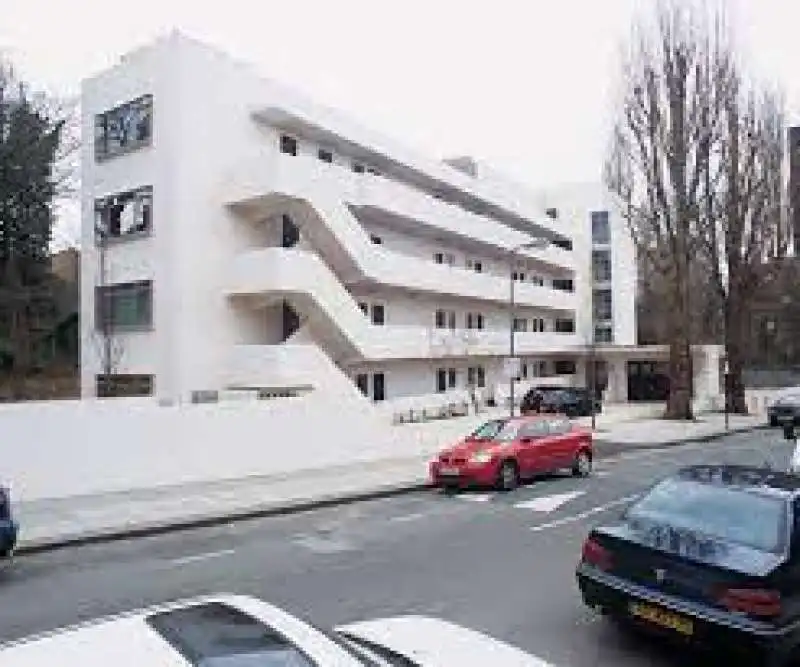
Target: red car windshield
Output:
[
  {"x": 489, "y": 430},
  {"x": 526, "y": 429}
]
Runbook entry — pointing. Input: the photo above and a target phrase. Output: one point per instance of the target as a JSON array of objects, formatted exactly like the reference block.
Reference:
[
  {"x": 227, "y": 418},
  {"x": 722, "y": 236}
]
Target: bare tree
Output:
[
  {"x": 659, "y": 159},
  {"x": 744, "y": 221}
]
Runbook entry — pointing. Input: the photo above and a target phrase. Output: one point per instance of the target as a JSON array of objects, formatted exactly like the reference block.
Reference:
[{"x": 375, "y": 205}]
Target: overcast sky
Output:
[{"x": 524, "y": 85}]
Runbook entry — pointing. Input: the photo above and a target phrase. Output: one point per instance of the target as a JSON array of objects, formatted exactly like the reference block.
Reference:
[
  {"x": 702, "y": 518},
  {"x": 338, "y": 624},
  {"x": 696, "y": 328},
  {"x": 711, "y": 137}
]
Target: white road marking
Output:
[
  {"x": 322, "y": 545},
  {"x": 584, "y": 515},
  {"x": 404, "y": 518},
  {"x": 200, "y": 557},
  {"x": 476, "y": 497},
  {"x": 549, "y": 503}
]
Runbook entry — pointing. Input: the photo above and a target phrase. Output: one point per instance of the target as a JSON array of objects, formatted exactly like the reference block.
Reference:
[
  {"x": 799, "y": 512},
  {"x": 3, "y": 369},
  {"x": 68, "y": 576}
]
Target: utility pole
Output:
[{"x": 537, "y": 243}]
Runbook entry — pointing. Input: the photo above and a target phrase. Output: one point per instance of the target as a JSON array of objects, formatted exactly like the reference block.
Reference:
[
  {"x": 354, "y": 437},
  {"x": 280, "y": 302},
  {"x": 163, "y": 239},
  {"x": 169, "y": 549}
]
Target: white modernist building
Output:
[{"x": 238, "y": 236}]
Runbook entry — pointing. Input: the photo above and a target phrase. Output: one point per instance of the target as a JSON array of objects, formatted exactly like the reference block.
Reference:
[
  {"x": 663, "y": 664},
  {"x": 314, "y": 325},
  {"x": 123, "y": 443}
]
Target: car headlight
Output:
[{"x": 481, "y": 457}]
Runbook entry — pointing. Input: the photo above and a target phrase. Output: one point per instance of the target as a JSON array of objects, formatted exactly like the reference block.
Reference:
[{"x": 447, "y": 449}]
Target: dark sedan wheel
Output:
[{"x": 508, "y": 476}]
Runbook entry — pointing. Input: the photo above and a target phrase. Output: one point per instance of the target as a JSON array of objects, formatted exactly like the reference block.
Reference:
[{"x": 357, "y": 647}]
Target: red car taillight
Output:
[
  {"x": 596, "y": 554},
  {"x": 757, "y": 602}
]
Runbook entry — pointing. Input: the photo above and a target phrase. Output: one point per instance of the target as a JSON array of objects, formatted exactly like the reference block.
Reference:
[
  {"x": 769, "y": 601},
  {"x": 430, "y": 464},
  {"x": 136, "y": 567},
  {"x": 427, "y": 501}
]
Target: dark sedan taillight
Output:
[
  {"x": 757, "y": 602},
  {"x": 596, "y": 554}
]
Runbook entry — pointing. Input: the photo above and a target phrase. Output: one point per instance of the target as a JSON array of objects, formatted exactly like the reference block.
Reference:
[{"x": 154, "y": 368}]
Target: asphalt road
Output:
[{"x": 501, "y": 563}]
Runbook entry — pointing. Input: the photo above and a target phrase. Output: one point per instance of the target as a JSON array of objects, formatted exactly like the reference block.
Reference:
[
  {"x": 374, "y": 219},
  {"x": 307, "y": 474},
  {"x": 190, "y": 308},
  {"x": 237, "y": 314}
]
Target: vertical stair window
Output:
[
  {"x": 288, "y": 145},
  {"x": 441, "y": 380},
  {"x": 378, "y": 314},
  {"x": 378, "y": 387}
]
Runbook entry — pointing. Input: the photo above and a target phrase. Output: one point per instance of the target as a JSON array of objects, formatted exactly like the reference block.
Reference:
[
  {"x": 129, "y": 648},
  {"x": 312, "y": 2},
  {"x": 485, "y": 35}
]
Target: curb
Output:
[
  {"x": 206, "y": 521},
  {"x": 43, "y": 545}
]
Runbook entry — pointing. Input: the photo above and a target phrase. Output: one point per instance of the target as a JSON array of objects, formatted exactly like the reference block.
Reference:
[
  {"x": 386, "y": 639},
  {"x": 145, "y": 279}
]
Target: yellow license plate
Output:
[{"x": 662, "y": 617}]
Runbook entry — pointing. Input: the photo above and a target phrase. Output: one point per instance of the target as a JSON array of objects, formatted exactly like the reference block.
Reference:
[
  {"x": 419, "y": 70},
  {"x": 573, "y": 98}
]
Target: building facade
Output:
[{"x": 239, "y": 237}]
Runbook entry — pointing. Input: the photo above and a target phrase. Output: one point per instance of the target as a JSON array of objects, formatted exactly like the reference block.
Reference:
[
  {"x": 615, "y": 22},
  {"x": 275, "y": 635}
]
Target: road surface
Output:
[{"x": 501, "y": 563}]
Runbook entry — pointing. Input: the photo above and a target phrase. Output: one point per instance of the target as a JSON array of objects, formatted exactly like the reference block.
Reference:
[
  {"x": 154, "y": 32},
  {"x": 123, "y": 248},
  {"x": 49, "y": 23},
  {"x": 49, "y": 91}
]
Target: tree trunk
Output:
[{"x": 735, "y": 346}]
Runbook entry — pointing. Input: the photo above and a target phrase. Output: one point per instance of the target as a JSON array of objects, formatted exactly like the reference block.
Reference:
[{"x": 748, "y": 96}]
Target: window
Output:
[
  {"x": 481, "y": 376},
  {"x": 378, "y": 387},
  {"x": 564, "y": 244},
  {"x": 538, "y": 325},
  {"x": 601, "y": 265},
  {"x": 124, "y": 215},
  {"x": 565, "y": 325},
  {"x": 440, "y": 319},
  {"x": 441, "y": 380},
  {"x": 214, "y": 634},
  {"x": 559, "y": 426},
  {"x": 563, "y": 284},
  {"x": 290, "y": 234},
  {"x": 124, "y": 129},
  {"x": 451, "y": 319},
  {"x": 537, "y": 280},
  {"x": 564, "y": 367},
  {"x": 520, "y": 324},
  {"x": 111, "y": 386},
  {"x": 601, "y": 232},
  {"x": 524, "y": 371},
  {"x": 364, "y": 307},
  {"x": 378, "y": 314},
  {"x": 715, "y": 510},
  {"x": 475, "y": 321},
  {"x": 476, "y": 376},
  {"x": 362, "y": 382},
  {"x": 552, "y": 213},
  {"x": 438, "y": 257},
  {"x": 325, "y": 155},
  {"x": 288, "y": 145},
  {"x": 444, "y": 258},
  {"x": 603, "y": 334},
  {"x": 539, "y": 369},
  {"x": 475, "y": 265},
  {"x": 373, "y": 171},
  {"x": 124, "y": 306},
  {"x": 602, "y": 305},
  {"x": 377, "y": 240},
  {"x": 358, "y": 167},
  {"x": 452, "y": 378}
]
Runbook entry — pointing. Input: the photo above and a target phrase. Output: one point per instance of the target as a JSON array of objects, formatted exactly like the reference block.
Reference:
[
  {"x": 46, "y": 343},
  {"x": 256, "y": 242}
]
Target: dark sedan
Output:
[
  {"x": 709, "y": 556},
  {"x": 572, "y": 402},
  {"x": 785, "y": 409}
]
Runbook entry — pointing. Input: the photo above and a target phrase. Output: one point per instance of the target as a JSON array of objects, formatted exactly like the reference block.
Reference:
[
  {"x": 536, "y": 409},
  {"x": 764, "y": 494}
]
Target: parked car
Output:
[
  {"x": 709, "y": 556},
  {"x": 9, "y": 528},
  {"x": 785, "y": 408},
  {"x": 533, "y": 397},
  {"x": 502, "y": 452},
  {"x": 571, "y": 401},
  {"x": 241, "y": 631}
]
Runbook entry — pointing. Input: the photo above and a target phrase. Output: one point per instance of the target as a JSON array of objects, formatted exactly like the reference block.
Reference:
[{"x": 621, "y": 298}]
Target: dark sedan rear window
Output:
[{"x": 726, "y": 513}]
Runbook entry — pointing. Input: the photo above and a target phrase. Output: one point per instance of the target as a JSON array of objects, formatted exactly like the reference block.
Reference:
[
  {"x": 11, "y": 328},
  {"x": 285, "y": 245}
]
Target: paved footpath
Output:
[
  {"x": 500, "y": 563},
  {"x": 48, "y": 524}
]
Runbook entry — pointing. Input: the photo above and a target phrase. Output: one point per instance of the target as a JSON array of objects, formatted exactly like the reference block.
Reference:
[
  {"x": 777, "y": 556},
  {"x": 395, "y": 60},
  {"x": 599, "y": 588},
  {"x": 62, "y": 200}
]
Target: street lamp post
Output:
[{"x": 537, "y": 243}]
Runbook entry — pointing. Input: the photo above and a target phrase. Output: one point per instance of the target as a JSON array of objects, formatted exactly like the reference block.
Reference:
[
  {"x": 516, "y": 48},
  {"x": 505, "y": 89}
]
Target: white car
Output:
[{"x": 241, "y": 631}]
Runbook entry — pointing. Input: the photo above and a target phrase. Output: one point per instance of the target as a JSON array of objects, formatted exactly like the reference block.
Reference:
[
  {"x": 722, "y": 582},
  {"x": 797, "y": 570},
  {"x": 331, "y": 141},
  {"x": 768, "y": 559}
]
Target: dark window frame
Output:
[
  {"x": 378, "y": 314},
  {"x": 379, "y": 387},
  {"x": 289, "y": 145},
  {"x": 109, "y": 127},
  {"x": 441, "y": 380},
  {"x": 105, "y": 296},
  {"x": 108, "y": 226}
]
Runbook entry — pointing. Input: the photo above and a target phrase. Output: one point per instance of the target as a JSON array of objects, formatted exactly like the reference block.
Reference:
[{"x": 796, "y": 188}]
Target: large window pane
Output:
[
  {"x": 126, "y": 128},
  {"x": 601, "y": 232},
  {"x": 124, "y": 305},
  {"x": 124, "y": 214}
]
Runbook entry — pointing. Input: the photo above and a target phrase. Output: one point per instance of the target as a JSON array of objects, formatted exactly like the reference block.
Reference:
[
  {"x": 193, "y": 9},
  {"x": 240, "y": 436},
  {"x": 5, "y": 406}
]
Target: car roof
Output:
[
  {"x": 130, "y": 640},
  {"x": 757, "y": 479}
]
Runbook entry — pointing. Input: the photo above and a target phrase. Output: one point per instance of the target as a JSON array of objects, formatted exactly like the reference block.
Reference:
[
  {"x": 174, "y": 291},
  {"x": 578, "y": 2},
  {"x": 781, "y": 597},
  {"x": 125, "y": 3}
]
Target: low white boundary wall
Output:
[
  {"x": 76, "y": 448},
  {"x": 53, "y": 450}
]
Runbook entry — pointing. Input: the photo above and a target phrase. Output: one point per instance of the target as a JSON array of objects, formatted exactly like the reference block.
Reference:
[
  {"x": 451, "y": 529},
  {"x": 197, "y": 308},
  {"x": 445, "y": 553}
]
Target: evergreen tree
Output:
[{"x": 30, "y": 139}]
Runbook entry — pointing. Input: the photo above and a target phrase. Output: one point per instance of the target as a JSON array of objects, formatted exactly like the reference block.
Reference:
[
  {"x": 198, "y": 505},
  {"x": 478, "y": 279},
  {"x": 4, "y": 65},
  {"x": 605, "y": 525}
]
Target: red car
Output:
[{"x": 502, "y": 452}]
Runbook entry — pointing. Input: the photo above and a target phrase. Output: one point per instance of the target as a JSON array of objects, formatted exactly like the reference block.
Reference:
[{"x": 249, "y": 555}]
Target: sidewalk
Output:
[{"x": 48, "y": 524}]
